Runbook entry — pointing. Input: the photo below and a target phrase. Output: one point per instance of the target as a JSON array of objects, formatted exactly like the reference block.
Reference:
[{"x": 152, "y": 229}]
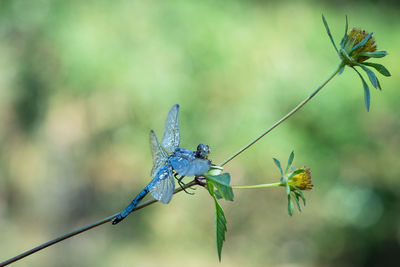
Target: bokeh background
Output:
[{"x": 83, "y": 82}]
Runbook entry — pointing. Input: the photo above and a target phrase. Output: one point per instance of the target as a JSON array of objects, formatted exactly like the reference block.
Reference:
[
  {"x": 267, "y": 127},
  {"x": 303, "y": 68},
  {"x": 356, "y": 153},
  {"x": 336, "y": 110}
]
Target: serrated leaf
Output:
[
  {"x": 376, "y": 54},
  {"x": 218, "y": 194},
  {"x": 220, "y": 227},
  {"x": 363, "y": 42},
  {"x": 367, "y": 96},
  {"x": 296, "y": 199},
  {"x": 290, "y": 161},
  {"x": 219, "y": 219},
  {"x": 380, "y": 68},
  {"x": 278, "y": 164},
  {"x": 290, "y": 206},
  {"x": 371, "y": 75},
  {"x": 223, "y": 179},
  {"x": 222, "y": 184},
  {"x": 329, "y": 32}
]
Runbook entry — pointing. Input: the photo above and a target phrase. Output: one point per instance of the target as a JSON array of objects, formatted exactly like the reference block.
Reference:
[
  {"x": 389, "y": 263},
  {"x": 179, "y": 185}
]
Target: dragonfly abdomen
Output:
[{"x": 131, "y": 206}]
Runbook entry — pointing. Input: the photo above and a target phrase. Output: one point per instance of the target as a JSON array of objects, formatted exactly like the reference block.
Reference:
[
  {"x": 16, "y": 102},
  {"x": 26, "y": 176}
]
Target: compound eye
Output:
[
  {"x": 199, "y": 148},
  {"x": 203, "y": 150}
]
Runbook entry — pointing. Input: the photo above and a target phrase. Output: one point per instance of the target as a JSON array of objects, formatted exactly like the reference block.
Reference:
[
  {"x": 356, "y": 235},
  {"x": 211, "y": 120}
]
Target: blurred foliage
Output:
[{"x": 83, "y": 82}]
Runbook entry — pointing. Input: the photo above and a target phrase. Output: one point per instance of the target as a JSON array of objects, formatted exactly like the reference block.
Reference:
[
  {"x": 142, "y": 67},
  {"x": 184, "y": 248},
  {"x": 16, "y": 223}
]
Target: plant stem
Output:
[
  {"x": 283, "y": 118},
  {"x": 192, "y": 183},
  {"x": 84, "y": 229},
  {"x": 256, "y": 186}
]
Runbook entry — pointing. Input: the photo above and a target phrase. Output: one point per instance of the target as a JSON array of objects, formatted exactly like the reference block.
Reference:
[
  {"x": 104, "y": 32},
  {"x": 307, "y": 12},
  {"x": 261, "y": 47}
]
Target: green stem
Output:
[
  {"x": 84, "y": 229},
  {"x": 192, "y": 183},
  {"x": 256, "y": 186},
  {"x": 283, "y": 118}
]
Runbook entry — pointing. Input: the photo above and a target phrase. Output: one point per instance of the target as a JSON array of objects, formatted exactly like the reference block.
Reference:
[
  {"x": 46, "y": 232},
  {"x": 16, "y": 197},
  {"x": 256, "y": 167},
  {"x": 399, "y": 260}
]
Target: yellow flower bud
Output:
[{"x": 302, "y": 180}]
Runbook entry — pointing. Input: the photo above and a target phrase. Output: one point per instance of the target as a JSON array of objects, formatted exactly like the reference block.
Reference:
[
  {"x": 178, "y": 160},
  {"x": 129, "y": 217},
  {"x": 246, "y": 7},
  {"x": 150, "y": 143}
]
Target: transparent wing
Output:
[
  {"x": 159, "y": 155},
  {"x": 163, "y": 186},
  {"x": 170, "y": 139}
]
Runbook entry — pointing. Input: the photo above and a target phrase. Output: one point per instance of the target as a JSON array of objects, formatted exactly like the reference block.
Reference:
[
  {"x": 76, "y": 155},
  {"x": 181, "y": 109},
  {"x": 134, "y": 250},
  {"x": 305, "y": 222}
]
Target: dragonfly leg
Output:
[
  {"x": 200, "y": 180},
  {"x": 182, "y": 184},
  {"x": 191, "y": 188},
  {"x": 183, "y": 188},
  {"x": 180, "y": 181}
]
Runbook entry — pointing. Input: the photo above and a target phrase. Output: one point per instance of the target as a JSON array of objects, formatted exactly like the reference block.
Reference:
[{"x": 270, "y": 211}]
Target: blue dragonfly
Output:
[{"x": 169, "y": 160}]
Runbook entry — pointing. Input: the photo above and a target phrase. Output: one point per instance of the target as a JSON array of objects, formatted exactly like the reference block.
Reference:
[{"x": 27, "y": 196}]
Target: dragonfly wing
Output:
[
  {"x": 163, "y": 185},
  {"x": 170, "y": 139},
  {"x": 158, "y": 153}
]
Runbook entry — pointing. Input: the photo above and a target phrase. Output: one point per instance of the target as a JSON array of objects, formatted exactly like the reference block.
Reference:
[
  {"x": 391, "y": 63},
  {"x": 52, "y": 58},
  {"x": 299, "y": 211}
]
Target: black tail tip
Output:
[{"x": 117, "y": 219}]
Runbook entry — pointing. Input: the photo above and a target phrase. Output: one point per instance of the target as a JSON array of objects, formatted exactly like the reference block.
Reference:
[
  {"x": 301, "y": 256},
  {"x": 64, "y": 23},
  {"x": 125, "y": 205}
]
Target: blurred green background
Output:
[{"x": 83, "y": 82}]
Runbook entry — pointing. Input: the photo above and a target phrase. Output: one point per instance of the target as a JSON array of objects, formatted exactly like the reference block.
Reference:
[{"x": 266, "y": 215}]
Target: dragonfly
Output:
[{"x": 169, "y": 161}]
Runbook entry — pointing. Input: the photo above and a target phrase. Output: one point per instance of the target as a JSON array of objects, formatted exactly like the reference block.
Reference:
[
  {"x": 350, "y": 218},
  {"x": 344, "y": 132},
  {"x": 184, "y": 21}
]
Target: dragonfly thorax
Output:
[{"x": 202, "y": 151}]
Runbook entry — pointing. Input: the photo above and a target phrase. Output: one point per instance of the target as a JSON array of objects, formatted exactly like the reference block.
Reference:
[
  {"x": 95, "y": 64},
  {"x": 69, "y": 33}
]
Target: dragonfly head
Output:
[{"x": 202, "y": 151}]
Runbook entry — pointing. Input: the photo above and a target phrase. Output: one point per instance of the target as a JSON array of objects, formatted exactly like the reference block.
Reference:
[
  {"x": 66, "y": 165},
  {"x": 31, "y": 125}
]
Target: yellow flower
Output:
[{"x": 301, "y": 180}]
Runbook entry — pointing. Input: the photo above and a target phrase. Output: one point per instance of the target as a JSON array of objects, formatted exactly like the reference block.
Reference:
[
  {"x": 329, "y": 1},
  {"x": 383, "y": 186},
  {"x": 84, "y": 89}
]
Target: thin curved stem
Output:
[
  {"x": 85, "y": 228},
  {"x": 299, "y": 106},
  {"x": 256, "y": 186},
  {"x": 192, "y": 183}
]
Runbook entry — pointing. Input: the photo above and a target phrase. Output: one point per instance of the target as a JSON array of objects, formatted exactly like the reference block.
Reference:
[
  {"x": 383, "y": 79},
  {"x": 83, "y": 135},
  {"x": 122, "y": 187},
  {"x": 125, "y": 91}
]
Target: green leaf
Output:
[
  {"x": 345, "y": 34},
  {"x": 219, "y": 219},
  {"x": 329, "y": 32},
  {"x": 222, "y": 184},
  {"x": 290, "y": 206},
  {"x": 382, "y": 70},
  {"x": 277, "y": 163},
  {"x": 218, "y": 194},
  {"x": 290, "y": 161},
  {"x": 300, "y": 194},
  {"x": 371, "y": 75},
  {"x": 220, "y": 227},
  {"x": 376, "y": 54},
  {"x": 210, "y": 187},
  {"x": 363, "y": 42},
  {"x": 223, "y": 178},
  {"x": 296, "y": 199},
  {"x": 367, "y": 96},
  {"x": 379, "y": 85},
  {"x": 287, "y": 187}
]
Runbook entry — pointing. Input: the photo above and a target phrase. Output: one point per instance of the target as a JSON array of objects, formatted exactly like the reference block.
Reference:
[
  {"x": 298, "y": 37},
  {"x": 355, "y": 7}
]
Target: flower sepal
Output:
[
  {"x": 294, "y": 182},
  {"x": 356, "y": 47}
]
